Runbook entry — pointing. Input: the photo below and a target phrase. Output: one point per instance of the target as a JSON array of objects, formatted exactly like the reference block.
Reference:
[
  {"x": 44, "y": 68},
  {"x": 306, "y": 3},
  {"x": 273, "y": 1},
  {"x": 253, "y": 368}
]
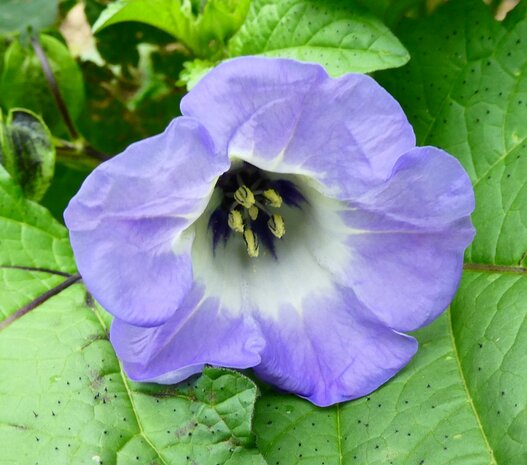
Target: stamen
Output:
[
  {"x": 250, "y": 200},
  {"x": 251, "y": 241},
  {"x": 235, "y": 221},
  {"x": 273, "y": 198},
  {"x": 276, "y": 225},
  {"x": 253, "y": 212},
  {"x": 244, "y": 196}
]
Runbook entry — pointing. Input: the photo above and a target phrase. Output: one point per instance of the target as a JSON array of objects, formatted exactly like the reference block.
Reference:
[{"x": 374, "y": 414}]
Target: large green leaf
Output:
[
  {"x": 204, "y": 30},
  {"x": 337, "y": 34},
  {"x": 470, "y": 97},
  {"x": 18, "y": 16},
  {"x": 64, "y": 398},
  {"x": 463, "y": 399}
]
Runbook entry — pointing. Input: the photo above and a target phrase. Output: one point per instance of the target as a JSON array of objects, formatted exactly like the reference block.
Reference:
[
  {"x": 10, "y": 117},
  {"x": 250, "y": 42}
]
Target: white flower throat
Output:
[{"x": 304, "y": 262}]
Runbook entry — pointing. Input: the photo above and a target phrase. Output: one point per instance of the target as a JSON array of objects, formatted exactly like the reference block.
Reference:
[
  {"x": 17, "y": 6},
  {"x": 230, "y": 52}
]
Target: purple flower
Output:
[{"x": 287, "y": 222}]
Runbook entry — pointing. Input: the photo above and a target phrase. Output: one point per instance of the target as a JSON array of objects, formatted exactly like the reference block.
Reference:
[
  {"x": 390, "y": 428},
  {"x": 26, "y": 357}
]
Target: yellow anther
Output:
[
  {"x": 273, "y": 198},
  {"x": 253, "y": 212},
  {"x": 236, "y": 221},
  {"x": 244, "y": 197},
  {"x": 251, "y": 241},
  {"x": 276, "y": 225}
]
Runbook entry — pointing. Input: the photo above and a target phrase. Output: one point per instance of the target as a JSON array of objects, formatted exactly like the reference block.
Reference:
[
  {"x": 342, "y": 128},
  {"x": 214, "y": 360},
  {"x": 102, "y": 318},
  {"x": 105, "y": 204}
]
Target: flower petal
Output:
[
  {"x": 409, "y": 237},
  {"x": 288, "y": 117},
  {"x": 233, "y": 91},
  {"x": 330, "y": 354},
  {"x": 201, "y": 332},
  {"x": 127, "y": 222}
]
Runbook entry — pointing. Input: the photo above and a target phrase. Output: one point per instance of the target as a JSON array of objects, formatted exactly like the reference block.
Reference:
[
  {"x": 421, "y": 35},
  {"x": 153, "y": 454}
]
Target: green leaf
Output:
[
  {"x": 463, "y": 398},
  {"x": 29, "y": 237},
  {"x": 204, "y": 31},
  {"x": 22, "y": 71},
  {"x": 339, "y": 35},
  {"x": 470, "y": 98},
  {"x": 18, "y": 16},
  {"x": 120, "y": 43},
  {"x": 4, "y": 44},
  {"x": 27, "y": 151},
  {"x": 64, "y": 398}
]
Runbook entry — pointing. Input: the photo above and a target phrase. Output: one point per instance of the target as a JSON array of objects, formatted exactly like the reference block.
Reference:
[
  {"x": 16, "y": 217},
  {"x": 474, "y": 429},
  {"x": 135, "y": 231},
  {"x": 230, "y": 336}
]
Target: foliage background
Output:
[{"x": 79, "y": 81}]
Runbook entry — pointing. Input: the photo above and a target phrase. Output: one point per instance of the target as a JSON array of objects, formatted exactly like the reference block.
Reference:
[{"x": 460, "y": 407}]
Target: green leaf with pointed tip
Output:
[
  {"x": 18, "y": 16},
  {"x": 204, "y": 30},
  {"x": 463, "y": 398},
  {"x": 27, "y": 151},
  {"x": 64, "y": 398},
  {"x": 24, "y": 85},
  {"x": 339, "y": 35}
]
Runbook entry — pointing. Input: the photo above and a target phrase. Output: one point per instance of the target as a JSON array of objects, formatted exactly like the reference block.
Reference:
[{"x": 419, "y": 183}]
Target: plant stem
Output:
[
  {"x": 53, "y": 85},
  {"x": 61, "y": 105},
  {"x": 39, "y": 300}
]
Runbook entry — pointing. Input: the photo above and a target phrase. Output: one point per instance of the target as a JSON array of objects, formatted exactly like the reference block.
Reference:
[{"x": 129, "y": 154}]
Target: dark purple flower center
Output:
[{"x": 250, "y": 205}]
